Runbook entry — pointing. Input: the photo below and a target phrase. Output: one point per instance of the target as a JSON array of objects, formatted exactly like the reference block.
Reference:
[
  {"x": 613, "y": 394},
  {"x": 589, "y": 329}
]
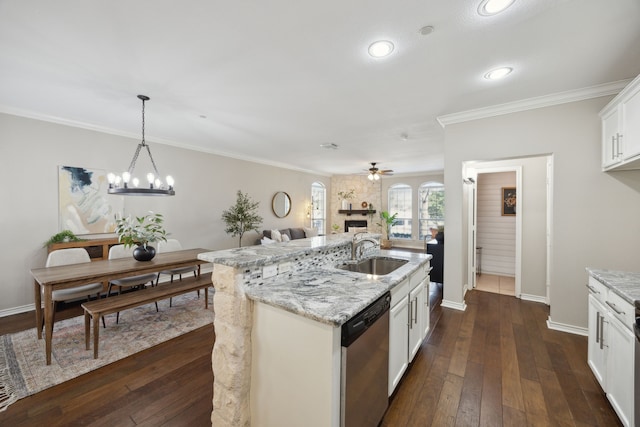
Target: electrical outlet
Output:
[{"x": 269, "y": 271}]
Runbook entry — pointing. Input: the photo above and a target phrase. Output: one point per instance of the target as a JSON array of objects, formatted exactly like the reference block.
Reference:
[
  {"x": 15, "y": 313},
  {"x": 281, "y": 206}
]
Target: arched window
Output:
[
  {"x": 430, "y": 207},
  {"x": 318, "y": 207},
  {"x": 399, "y": 202}
]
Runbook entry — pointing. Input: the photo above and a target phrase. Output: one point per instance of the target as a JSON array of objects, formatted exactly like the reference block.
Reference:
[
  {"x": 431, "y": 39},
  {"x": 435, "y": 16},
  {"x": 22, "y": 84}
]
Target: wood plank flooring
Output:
[{"x": 496, "y": 364}]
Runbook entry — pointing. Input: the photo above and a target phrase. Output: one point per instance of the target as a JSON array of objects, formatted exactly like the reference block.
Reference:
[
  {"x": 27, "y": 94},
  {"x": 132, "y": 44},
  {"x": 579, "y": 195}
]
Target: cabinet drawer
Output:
[
  {"x": 597, "y": 289},
  {"x": 400, "y": 291},
  {"x": 620, "y": 309}
]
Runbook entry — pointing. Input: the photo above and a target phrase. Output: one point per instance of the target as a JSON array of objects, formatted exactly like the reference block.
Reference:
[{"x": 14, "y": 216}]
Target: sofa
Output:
[{"x": 291, "y": 233}]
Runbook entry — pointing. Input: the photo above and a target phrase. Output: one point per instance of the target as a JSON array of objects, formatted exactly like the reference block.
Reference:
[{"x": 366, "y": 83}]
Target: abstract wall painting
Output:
[{"x": 84, "y": 206}]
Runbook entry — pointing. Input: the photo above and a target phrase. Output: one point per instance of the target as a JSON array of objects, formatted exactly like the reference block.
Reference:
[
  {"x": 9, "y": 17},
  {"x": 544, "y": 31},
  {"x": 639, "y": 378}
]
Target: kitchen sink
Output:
[{"x": 375, "y": 265}]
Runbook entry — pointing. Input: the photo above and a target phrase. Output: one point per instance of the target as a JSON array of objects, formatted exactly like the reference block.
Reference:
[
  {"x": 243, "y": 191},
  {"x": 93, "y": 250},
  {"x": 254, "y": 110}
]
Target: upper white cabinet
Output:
[{"x": 621, "y": 130}]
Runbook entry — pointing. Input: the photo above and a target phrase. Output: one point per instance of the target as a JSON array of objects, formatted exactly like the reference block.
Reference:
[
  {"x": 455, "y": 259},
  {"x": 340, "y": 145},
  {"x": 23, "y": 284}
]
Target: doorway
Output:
[
  {"x": 527, "y": 264},
  {"x": 496, "y": 208}
]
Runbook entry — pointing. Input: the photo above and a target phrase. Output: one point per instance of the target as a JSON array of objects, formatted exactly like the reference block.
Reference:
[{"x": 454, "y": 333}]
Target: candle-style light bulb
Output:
[
  {"x": 150, "y": 178},
  {"x": 136, "y": 182},
  {"x": 111, "y": 178},
  {"x": 126, "y": 176},
  {"x": 158, "y": 183},
  {"x": 170, "y": 182}
]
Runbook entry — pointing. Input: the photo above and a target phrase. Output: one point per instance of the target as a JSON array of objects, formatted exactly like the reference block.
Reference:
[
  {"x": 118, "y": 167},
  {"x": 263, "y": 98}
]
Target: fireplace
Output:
[{"x": 354, "y": 223}]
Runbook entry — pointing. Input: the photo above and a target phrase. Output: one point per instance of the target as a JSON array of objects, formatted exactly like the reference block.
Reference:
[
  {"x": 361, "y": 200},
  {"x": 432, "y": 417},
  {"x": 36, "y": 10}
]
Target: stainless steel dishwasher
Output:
[{"x": 365, "y": 366}]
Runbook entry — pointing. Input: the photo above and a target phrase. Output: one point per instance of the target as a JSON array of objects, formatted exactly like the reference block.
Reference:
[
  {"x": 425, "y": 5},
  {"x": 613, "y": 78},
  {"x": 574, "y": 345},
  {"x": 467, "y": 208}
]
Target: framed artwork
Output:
[
  {"x": 84, "y": 206},
  {"x": 508, "y": 201}
]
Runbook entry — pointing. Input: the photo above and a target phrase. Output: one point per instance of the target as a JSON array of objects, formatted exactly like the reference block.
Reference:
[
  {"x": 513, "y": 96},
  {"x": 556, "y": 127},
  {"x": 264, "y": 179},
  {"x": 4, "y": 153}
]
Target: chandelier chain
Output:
[{"x": 143, "y": 143}]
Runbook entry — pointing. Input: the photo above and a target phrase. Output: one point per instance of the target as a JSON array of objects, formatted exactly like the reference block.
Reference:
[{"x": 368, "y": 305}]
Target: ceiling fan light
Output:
[
  {"x": 370, "y": 176},
  {"x": 376, "y": 177}
]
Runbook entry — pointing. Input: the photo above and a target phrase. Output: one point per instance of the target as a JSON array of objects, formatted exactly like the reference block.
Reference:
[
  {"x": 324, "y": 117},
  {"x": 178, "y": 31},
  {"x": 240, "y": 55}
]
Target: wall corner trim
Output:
[
  {"x": 454, "y": 305},
  {"x": 563, "y": 327},
  {"x": 534, "y": 298}
]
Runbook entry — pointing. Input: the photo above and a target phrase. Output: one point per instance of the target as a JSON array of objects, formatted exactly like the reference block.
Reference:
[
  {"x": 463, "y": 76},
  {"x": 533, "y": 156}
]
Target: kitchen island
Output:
[{"x": 279, "y": 311}]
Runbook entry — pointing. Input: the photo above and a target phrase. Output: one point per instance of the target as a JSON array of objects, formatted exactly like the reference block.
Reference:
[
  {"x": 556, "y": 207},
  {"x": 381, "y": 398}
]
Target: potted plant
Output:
[
  {"x": 387, "y": 221},
  {"x": 242, "y": 217},
  {"x": 62, "y": 237},
  {"x": 139, "y": 232},
  {"x": 335, "y": 228},
  {"x": 440, "y": 234}
]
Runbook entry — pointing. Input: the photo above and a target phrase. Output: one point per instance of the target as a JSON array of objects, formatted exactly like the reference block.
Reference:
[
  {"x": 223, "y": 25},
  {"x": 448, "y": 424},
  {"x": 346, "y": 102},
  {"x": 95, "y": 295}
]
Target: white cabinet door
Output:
[
  {"x": 416, "y": 314},
  {"x": 611, "y": 150},
  {"x": 398, "y": 342},
  {"x": 596, "y": 349},
  {"x": 426, "y": 309},
  {"x": 630, "y": 111},
  {"x": 620, "y": 365}
]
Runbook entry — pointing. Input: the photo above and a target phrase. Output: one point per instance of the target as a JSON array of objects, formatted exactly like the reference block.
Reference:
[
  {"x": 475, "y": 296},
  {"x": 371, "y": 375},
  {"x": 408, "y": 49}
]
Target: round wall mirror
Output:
[{"x": 281, "y": 204}]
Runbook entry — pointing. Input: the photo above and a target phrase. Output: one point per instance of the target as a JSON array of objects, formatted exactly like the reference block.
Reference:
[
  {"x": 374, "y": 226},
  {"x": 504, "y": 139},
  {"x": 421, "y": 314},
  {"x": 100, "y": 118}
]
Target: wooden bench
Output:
[{"x": 98, "y": 308}]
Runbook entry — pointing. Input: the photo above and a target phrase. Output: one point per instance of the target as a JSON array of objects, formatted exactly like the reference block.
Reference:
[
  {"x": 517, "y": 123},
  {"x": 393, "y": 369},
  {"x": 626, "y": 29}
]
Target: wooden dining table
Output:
[{"x": 49, "y": 279}]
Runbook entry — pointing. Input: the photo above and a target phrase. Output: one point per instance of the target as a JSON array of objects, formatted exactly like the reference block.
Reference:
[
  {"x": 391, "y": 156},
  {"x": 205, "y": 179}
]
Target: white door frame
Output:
[{"x": 473, "y": 219}]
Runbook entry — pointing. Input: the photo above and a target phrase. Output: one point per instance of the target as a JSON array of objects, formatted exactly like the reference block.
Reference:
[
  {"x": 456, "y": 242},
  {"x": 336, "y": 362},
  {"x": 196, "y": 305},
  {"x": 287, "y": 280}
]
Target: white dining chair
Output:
[
  {"x": 139, "y": 281},
  {"x": 65, "y": 257},
  {"x": 172, "y": 245}
]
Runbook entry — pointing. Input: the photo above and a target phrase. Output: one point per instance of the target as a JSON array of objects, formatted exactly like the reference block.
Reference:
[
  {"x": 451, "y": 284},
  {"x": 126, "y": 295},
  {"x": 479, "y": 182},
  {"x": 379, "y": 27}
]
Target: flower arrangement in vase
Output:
[
  {"x": 139, "y": 232},
  {"x": 346, "y": 196}
]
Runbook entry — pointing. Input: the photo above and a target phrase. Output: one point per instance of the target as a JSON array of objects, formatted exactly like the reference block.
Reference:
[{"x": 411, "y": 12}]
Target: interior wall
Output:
[
  {"x": 206, "y": 184},
  {"x": 496, "y": 234},
  {"x": 584, "y": 197}
]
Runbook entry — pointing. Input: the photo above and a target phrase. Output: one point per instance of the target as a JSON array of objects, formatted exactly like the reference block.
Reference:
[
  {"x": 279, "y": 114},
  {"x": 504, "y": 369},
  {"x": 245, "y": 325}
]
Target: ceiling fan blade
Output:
[{"x": 386, "y": 172}]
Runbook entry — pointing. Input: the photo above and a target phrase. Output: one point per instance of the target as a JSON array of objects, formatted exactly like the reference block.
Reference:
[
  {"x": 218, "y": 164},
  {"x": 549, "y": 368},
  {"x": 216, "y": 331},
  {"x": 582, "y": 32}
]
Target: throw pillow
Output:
[
  {"x": 297, "y": 233},
  {"x": 310, "y": 232},
  {"x": 285, "y": 238},
  {"x": 266, "y": 241},
  {"x": 275, "y": 235}
]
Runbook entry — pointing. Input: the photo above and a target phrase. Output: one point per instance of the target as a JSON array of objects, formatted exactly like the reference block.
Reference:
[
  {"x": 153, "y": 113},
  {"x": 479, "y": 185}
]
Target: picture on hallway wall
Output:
[
  {"x": 83, "y": 204},
  {"x": 508, "y": 201}
]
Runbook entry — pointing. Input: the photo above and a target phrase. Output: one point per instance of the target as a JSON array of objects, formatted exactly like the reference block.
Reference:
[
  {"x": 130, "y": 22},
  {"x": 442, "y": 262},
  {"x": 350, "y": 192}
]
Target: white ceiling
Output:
[{"x": 275, "y": 79}]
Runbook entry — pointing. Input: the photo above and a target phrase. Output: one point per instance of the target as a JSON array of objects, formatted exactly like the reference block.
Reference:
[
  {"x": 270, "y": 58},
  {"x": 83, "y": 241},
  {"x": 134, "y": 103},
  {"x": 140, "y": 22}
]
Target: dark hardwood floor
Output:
[{"x": 496, "y": 364}]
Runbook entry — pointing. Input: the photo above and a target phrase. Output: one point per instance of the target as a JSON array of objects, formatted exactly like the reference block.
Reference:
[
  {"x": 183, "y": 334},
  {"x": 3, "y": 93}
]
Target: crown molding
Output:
[
  {"x": 87, "y": 126},
  {"x": 532, "y": 103}
]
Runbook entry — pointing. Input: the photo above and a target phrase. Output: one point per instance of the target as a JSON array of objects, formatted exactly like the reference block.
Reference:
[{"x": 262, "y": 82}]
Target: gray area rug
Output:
[{"x": 23, "y": 370}]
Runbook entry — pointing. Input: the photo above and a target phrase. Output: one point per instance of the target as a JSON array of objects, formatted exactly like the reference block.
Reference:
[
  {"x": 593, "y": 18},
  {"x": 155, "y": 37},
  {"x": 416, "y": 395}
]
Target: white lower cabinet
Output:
[
  {"x": 596, "y": 349},
  {"x": 398, "y": 342},
  {"x": 408, "y": 323},
  {"x": 416, "y": 319},
  {"x": 611, "y": 348}
]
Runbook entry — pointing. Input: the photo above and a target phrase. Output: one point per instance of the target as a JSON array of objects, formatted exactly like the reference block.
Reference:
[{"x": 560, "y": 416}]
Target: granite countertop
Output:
[
  {"x": 269, "y": 254},
  {"x": 330, "y": 295},
  {"x": 325, "y": 294},
  {"x": 626, "y": 284}
]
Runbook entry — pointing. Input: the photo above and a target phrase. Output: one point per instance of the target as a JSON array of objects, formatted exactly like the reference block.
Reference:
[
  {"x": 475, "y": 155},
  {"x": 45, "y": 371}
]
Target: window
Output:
[
  {"x": 430, "y": 207},
  {"x": 318, "y": 207},
  {"x": 400, "y": 202}
]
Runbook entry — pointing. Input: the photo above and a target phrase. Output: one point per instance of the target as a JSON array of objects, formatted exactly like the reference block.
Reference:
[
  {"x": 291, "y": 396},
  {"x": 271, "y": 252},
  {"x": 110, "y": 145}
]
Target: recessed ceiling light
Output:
[
  {"x": 498, "y": 73},
  {"x": 381, "y": 48},
  {"x": 491, "y": 7}
]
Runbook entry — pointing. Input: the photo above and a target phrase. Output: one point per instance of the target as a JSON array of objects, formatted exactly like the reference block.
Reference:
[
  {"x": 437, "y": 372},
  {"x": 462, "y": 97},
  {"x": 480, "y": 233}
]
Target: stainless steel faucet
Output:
[{"x": 355, "y": 243}]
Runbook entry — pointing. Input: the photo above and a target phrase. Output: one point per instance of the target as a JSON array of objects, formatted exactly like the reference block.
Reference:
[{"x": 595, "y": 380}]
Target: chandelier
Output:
[{"x": 128, "y": 185}]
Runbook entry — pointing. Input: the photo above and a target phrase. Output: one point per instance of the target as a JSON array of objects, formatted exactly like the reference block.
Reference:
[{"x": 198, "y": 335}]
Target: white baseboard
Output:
[
  {"x": 454, "y": 305},
  {"x": 17, "y": 310},
  {"x": 534, "y": 298},
  {"x": 32, "y": 307},
  {"x": 562, "y": 327}
]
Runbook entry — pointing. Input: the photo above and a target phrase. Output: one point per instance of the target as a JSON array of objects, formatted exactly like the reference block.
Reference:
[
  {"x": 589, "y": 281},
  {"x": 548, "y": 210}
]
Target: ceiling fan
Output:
[{"x": 374, "y": 172}]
